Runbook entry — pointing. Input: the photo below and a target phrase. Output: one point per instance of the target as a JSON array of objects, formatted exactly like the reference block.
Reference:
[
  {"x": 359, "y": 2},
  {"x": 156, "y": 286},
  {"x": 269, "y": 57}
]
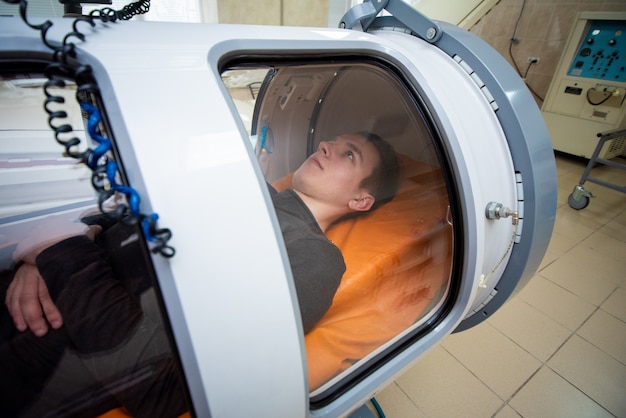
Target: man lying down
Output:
[{"x": 64, "y": 294}]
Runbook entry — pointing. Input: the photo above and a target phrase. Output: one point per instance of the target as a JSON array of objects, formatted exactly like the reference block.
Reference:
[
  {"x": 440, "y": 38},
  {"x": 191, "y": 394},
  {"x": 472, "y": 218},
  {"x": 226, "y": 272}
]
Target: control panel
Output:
[
  {"x": 587, "y": 94},
  {"x": 602, "y": 52}
]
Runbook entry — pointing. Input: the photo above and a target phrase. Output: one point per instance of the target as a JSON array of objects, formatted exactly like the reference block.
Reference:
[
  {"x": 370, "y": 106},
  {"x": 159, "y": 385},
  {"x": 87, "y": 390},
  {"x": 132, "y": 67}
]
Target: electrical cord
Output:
[
  {"x": 514, "y": 41},
  {"x": 530, "y": 64},
  {"x": 105, "y": 171},
  {"x": 379, "y": 409},
  {"x": 606, "y": 97}
]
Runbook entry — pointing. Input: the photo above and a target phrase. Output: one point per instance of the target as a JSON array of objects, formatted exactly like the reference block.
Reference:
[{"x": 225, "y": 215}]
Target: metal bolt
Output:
[
  {"x": 495, "y": 210},
  {"x": 431, "y": 33}
]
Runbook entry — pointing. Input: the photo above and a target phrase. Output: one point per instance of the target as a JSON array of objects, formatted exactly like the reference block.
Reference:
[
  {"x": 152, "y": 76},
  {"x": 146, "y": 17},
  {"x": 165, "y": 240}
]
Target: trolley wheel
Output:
[{"x": 582, "y": 203}]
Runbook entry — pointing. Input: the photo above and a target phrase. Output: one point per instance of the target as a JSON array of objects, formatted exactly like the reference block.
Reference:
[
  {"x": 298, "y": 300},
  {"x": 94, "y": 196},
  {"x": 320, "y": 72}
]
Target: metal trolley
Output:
[{"x": 579, "y": 198}]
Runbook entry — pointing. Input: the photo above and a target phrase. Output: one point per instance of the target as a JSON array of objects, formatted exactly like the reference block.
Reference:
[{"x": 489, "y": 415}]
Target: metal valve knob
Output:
[{"x": 496, "y": 210}]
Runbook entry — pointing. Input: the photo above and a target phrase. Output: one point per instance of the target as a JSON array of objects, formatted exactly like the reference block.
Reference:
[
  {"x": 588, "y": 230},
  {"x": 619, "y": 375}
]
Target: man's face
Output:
[{"x": 333, "y": 174}]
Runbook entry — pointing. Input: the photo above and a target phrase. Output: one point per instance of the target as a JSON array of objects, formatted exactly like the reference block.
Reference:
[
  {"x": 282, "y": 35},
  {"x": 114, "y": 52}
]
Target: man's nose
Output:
[{"x": 325, "y": 148}]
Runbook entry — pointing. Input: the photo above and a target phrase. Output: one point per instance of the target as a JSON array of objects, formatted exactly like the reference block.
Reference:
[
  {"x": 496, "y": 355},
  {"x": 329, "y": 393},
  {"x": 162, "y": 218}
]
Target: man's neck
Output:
[{"x": 324, "y": 214}]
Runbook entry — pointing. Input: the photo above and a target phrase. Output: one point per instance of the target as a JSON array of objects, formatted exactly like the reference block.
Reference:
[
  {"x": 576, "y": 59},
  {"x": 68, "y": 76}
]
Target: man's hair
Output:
[{"x": 382, "y": 184}]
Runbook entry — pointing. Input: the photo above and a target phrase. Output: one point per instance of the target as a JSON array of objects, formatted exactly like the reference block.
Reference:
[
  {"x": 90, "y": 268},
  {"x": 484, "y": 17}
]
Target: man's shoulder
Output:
[{"x": 271, "y": 189}]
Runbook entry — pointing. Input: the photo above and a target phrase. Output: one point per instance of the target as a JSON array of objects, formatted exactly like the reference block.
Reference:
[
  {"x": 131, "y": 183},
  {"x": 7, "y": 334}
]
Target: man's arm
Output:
[
  {"x": 98, "y": 310},
  {"x": 317, "y": 267},
  {"x": 28, "y": 299},
  {"x": 104, "y": 321}
]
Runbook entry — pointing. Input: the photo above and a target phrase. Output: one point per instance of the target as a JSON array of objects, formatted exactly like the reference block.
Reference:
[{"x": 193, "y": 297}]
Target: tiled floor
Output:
[{"x": 558, "y": 348}]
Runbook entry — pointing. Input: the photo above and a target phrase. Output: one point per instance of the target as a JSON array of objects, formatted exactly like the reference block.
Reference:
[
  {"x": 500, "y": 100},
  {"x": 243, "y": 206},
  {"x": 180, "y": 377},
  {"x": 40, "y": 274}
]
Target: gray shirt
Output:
[{"x": 316, "y": 263}]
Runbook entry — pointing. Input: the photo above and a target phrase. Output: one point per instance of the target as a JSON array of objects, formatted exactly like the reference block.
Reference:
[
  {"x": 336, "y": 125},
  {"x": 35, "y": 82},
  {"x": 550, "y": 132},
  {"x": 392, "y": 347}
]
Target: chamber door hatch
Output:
[{"x": 525, "y": 131}]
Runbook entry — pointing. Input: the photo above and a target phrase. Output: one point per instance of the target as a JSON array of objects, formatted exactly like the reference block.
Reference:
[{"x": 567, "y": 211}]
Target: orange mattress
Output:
[{"x": 398, "y": 259}]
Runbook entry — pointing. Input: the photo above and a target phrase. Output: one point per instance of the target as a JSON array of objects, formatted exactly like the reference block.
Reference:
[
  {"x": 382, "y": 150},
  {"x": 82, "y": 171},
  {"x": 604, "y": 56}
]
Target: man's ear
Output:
[{"x": 362, "y": 203}]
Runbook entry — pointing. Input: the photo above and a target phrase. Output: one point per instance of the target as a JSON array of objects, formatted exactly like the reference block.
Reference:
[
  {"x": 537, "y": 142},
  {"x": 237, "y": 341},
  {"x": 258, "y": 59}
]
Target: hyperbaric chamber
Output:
[{"x": 203, "y": 117}]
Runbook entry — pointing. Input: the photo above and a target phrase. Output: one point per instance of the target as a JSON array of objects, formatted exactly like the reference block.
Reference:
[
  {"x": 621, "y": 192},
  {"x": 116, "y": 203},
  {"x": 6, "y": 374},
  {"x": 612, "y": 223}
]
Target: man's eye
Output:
[{"x": 350, "y": 155}]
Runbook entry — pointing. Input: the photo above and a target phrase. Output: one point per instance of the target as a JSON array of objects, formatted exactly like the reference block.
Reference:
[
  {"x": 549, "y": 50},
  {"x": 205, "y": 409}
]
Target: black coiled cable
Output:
[
  {"x": 104, "y": 170},
  {"x": 107, "y": 14}
]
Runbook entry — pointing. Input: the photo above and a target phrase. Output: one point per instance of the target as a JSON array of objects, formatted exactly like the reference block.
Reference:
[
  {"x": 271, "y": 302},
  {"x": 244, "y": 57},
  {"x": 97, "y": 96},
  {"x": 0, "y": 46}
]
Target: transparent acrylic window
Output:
[
  {"x": 399, "y": 257},
  {"x": 113, "y": 352}
]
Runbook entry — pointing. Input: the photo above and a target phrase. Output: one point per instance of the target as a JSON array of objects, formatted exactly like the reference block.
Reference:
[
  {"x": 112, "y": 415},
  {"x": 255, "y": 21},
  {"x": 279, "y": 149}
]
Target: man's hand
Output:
[
  {"x": 27, "y": 297},
  {"x": 29, "y": 302}
]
